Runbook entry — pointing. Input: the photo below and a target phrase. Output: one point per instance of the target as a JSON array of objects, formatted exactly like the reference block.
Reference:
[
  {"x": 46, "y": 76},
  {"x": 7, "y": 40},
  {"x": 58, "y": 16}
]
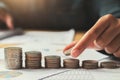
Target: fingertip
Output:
[
  {"x": 75, "y": 53},
  {"x": 69, "y": 46}
]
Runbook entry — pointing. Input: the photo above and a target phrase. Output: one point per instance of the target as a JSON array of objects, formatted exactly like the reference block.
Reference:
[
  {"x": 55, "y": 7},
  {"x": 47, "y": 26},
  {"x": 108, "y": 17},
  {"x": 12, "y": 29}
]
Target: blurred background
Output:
[{"x": 52, "y": 14}]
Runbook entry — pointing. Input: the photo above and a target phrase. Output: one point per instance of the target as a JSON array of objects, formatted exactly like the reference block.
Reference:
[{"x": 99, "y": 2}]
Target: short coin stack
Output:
[
  {"x": 71, "y": 63},
  {"x": 90, "y": 64},
  {"x": 33, "y": 59},
  {"x": 52, "y": 61},
  {"x": 13, "y": 57},
  {"x": 108, "y": 64}
]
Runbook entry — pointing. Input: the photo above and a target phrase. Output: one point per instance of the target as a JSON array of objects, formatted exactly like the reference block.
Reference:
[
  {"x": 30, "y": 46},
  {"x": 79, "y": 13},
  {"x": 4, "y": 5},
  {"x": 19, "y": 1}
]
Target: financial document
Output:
[
  {"x": 52, "y": 43},
  {"x": 44, "y": 41}
]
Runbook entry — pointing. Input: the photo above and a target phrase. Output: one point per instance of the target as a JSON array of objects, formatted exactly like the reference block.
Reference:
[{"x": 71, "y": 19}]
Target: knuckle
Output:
[
  {"x": 96, "y": 32},
  {"x": 110, "y": 49},
  {"x": 109, "y": 16},
  {"x": 101, "y": 42},
  {"x": 118, "y": 26},
  {"x": 117, "y": 54}
]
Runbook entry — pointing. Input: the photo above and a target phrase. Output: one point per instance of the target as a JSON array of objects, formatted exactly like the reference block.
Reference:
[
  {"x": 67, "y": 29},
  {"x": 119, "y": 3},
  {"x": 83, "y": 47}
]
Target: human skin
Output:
[
  {"x": 104, "y": 35},
  {"x": 7, "y": 19}
]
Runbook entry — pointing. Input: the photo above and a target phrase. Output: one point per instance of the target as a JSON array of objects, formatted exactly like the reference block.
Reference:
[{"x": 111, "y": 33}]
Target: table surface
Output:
[
  {"x": 77, "y": 37},
  {"x": 78, "y": 34}
]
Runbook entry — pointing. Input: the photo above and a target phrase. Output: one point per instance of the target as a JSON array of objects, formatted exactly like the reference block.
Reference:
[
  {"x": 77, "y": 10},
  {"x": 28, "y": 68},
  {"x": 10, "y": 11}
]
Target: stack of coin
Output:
[
  {"x": 52, "y": 61},
  {"x": 90, "y": 64},
  {"x": 71, "y": 63},
  {"x": 13, "y": 57},
  {"x": 108, "y": 64},
  {"x": 33, "y": 59}
]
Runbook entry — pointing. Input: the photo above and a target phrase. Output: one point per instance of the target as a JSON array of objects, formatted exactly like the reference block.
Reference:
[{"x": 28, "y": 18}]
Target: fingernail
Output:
[{"x": 75, "y": 53}]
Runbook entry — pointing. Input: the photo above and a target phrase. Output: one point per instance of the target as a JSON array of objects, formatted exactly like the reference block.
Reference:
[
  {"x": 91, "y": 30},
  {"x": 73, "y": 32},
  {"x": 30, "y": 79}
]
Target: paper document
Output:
[
  {"x": 52, "y": 43},
  {"x": 44, "y": 41}
]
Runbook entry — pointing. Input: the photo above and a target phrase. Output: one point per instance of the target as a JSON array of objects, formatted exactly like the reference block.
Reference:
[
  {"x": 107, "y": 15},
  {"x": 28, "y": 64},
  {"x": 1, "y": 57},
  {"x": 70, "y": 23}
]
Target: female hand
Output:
[{"x": 104, "y": 35}]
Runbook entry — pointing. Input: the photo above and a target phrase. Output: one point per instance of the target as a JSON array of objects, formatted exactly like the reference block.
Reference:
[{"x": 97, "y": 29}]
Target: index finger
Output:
[{"x": 91, "y": 35}]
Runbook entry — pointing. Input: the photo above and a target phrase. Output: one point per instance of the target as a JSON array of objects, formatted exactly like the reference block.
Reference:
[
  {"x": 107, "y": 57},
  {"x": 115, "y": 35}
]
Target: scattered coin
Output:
[
  {"x": 33, "y": 59},
  {"x": 68, "y": 52},
  {"x": 90, "y": 64},
  {"x": 13, "y": 57},
  {"x": 52, "y": 61},
  {"x": 71, "y": 63},
  {"x": 108, "y": 64}
]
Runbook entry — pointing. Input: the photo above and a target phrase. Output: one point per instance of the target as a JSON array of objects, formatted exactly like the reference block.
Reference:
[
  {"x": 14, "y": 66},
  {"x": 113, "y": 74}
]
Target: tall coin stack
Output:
[
  {"x": 33, "y": 59},
  {"x": 71, "y": 63},
  {"x": 13, "y": 57},
  {"x": 52, "y": 61}
]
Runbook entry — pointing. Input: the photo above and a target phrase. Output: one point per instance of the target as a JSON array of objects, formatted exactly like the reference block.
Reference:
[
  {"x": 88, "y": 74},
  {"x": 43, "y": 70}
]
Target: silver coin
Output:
[
  {"x": 90, "y": 64},
  {"x": 71, "y": 63},
  {"x": 108, "y": 64},
  {"x": 68, "y": 52},
  {"x": 13, "y": 57}
]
